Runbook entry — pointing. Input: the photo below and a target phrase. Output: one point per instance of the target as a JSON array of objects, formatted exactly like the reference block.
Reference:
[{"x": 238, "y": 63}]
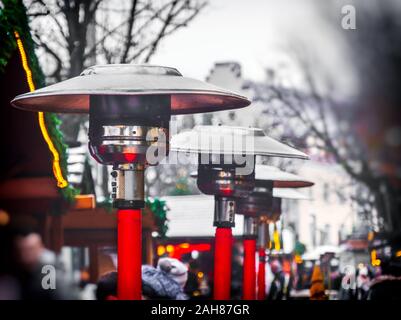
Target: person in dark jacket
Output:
[
  {"x": 276, "y": 291},
  {"x": 156, "y": 284},
  {"x": 388, "y": 285}
]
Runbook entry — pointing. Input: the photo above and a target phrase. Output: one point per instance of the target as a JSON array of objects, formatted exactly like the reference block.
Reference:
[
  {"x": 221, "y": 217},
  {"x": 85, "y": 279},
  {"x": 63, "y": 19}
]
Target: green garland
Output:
[
  {"x": 106, "y": 204},
  {"x": 53, "y": 123},
  {"x": 13, "y": 18},
  {"x": 157, "y": 206},
  {"x": 159, "y": 209}
]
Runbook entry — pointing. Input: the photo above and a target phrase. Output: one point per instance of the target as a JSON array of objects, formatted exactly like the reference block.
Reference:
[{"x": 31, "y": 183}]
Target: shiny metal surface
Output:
[
  {"x": 130, "y": 132},
  {"x": 263, "y": 235},
  {"x": 289, "y": 193},
  {"x": 128, "y": 185},
  {"x": 231, "y": 140},
  {"x": 255, "y": 204},
  {"x": 186, "y": 95},
  {"x": 222, "y": 181},
  {"x": 116, "y": 141},
  {"x": 281, "y": 179},
  {"x": 127, "y": 135},
  {"x": 250, "y": 226},
  {"x": 224, "y": 212}
]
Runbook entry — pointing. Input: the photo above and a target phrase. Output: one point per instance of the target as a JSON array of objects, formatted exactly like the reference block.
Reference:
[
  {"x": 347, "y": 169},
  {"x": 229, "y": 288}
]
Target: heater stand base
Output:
[{"x": 128, "y": 204}]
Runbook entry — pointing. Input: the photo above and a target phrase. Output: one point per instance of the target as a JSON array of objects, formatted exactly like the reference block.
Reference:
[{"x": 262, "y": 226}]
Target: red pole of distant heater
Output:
[
  {"x": 262, "y": 275},
  {"x": 129, "y": 250},
  {"x": 249, "y": 270},
  {"x": 222, "y": 263}
]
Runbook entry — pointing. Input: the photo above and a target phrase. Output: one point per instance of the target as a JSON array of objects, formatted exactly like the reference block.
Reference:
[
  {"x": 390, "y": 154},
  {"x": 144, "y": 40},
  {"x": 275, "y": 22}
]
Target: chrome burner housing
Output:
[{"x": 129, "y": 129}]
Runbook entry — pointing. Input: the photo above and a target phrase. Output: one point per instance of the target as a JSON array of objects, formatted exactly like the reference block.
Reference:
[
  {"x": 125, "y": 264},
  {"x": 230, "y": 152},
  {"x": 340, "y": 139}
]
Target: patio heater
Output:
[
  {"x": 258, "y": 209},
  {"x": 129, "y": 110},
  {"x": 221, "y": 174}
]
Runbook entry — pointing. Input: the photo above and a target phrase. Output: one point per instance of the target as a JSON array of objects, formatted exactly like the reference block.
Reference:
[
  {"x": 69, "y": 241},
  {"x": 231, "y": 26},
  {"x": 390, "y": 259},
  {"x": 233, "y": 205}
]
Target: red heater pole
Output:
[
  {"x": 262, "y": 275},
  {"x": 129, "y": 252},
  {"x": 222, "y": 263},
  {"x": 249, "y": 275}
]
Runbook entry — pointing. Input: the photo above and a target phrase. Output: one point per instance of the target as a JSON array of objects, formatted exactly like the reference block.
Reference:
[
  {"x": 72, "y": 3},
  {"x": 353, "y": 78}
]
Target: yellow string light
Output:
[
  {"x": 373, "y": 256},
  {"x": 276, "y": 238},
  {"x": 61, "y": 182}
]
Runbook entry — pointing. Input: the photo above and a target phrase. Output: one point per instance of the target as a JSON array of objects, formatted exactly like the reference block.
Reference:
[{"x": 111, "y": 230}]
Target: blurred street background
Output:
[{"x": 323, "y": 77}]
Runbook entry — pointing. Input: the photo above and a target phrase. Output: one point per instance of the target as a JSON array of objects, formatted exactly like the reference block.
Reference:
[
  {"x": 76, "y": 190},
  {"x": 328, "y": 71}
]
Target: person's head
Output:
[
  {"x": 275, "y": 266},
  {"x": 363, "y": 271},
  {"x": 157, "y": 284},
  {"x": 175, "y": 269},
  {"x": 107, "y": 286},
  {"x": 29, "y": 248}
]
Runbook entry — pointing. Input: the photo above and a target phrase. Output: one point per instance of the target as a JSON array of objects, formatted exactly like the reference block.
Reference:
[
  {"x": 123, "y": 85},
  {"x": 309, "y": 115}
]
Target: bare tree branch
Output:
[
  {"x": 56, "y": 74},
  {"x": 146, "y": 24},
  {"x": 128, "y": 39},
  {"x": 170, "y": 19}
]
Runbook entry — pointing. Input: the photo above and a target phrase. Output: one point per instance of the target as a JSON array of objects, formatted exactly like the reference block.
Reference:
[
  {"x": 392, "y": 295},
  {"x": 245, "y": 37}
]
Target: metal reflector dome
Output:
[
  {"x": 187, "y": 95},
  {"x": 289, "y": 193},
  {"x": 281, "y": 179},
  {"x": 231, "y": 140}
]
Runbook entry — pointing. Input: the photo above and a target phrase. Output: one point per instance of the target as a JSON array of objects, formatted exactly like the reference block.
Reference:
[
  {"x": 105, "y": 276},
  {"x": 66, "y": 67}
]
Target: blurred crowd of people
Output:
[
  {"x": 23, "y": 276},
  {"x": 361, "y": 283},
  {"x": 367, "y": 283},
  {"x": 24, "y": 268}
]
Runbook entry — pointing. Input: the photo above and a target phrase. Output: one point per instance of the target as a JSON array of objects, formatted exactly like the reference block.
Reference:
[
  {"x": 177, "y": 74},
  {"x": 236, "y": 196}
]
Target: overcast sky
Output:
[{"x": 255, "y": 33}]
